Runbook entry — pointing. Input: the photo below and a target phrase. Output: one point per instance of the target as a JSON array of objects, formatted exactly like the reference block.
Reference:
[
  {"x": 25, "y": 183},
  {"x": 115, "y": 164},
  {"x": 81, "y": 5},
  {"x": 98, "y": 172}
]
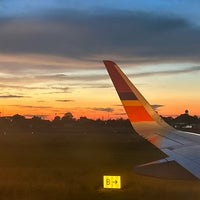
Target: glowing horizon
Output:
[{"x": 94, "y": 96}]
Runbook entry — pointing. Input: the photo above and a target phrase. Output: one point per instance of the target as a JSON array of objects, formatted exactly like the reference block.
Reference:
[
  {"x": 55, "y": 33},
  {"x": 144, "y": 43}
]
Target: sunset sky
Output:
[{"x": 51, "y": 54}]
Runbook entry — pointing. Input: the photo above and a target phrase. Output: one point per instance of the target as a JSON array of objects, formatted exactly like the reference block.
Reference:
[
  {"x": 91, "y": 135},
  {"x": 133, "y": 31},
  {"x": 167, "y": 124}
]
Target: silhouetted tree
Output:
[
  {"x": 186, "y": 119},
  {"x": 169, "y": 120},
  {"x": 18, "y": 117},
  {"x": 68, "y": 117},
  {"x": 56, "y": 119}
]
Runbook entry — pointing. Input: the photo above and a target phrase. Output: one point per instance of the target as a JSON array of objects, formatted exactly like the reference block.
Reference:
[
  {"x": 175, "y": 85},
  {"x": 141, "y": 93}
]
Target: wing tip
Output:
[{"x": 109, "y": 63}]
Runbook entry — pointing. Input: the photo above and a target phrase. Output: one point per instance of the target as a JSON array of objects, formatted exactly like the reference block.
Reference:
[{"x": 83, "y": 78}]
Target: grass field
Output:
[{"x": 70, "y": 165}]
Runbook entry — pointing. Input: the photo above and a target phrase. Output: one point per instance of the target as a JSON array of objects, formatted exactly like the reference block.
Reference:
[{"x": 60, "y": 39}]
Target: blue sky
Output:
[
  {"x": 51, "y": 54},
  {"x": 184, "y": 8}
]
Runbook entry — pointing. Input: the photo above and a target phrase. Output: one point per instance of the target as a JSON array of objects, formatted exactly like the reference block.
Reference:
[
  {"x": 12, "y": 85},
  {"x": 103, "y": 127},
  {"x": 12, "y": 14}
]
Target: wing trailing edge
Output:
[{"x": 165, "y": 169}]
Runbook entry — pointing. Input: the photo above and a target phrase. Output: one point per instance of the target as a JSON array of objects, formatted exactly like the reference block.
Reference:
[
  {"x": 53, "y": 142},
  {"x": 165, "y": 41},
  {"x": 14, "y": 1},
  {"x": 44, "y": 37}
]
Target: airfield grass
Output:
[{"x": 70, "y": 164}]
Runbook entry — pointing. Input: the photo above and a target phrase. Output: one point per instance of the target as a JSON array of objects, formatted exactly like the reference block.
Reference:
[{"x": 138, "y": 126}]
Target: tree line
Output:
[{"x": 67, "y": 121}]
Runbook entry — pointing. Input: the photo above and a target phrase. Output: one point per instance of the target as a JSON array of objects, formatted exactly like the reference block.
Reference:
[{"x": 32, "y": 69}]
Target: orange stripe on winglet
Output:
[
  {"x": 131, "y": 103},
  {"x": 137, "y": 114}
]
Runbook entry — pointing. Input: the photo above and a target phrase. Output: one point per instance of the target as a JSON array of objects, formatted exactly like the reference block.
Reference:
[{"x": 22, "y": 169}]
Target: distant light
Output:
[{"x": 112, "y": 182}]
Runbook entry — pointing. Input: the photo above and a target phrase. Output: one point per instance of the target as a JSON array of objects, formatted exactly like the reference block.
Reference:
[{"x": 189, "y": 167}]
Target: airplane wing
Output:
[{"x": 182, "y": 149}]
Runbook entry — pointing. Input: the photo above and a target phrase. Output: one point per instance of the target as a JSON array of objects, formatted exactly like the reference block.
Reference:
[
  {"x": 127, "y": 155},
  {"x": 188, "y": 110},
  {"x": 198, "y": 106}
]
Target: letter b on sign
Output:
[{"x": 112, "y": 182}]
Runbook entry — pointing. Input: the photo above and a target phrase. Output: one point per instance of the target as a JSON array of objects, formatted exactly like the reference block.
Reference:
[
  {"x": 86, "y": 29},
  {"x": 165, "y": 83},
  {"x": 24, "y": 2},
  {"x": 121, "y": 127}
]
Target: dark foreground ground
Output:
[{"x": 70, "y": 164}]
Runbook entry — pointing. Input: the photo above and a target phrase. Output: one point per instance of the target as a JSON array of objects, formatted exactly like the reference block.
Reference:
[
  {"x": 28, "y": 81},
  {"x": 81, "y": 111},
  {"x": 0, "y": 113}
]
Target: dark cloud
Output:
[
  {"x": 99, "y": 85},
  {"x": 103, "y": 109},
  {"x": 131, "y": 36},
  {"x": 11, "y": 96},
  {"x": 32, "y": 80},
  {"x": 21, "y": 87},
  {"x": 31, "y": 107},
  {"x": 168, "y": 72},
  {"x": 64, "y": 89},
  {"x": 64, "y": 77},
  {"x": 64, "y": 100},
  {"x": 156, "y": 106},
  {"x": 55, "y": 77},
  {"x": 72, "y": 80}
]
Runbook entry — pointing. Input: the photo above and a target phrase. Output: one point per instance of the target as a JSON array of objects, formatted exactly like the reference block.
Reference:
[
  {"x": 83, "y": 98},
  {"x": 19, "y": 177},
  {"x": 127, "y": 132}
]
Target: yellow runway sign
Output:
[{"x": 112, "y": 182}]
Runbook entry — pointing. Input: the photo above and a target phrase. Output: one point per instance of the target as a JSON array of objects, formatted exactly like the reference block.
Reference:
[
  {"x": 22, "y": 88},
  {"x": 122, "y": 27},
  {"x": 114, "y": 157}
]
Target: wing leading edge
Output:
[{"x": 181, "y": 148}]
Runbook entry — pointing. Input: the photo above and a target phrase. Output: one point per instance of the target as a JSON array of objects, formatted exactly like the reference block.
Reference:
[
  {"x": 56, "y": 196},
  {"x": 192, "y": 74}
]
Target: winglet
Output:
[{"x": 137, "y": 108}]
